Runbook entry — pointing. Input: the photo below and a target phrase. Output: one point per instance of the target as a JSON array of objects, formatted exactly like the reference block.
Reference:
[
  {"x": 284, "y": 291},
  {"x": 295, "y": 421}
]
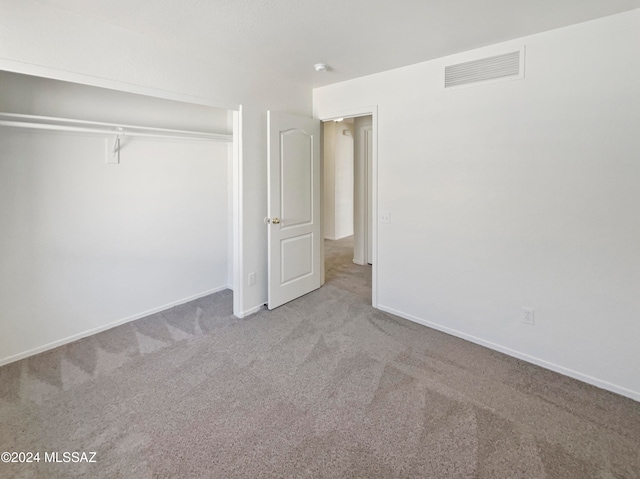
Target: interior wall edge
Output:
[{"x": 600, "y": 383}]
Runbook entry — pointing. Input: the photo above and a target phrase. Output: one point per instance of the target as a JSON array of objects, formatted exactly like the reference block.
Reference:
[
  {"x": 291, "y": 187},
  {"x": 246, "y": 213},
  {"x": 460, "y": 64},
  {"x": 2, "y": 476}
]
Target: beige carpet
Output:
[{"x": 322, "y": 387}]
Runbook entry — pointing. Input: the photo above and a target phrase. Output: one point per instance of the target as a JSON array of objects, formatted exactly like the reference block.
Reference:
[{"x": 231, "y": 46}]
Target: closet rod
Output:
[{"x": 57, "y": 124}]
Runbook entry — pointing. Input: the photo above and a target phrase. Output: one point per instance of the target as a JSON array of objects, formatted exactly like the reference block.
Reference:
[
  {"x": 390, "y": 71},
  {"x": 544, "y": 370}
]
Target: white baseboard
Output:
[
  {"x": 250, "y": 311},
  {"x": 113, "y": 324},
  {"x": 635, "y": 395},
  {"x": 336, "y": 238}
]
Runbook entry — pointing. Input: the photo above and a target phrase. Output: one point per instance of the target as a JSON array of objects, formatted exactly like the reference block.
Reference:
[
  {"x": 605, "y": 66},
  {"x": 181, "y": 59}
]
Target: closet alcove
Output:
[{"x": 113, "y": 205}]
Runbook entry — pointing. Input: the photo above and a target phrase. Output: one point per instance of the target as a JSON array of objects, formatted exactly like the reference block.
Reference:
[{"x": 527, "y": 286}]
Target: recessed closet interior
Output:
[{"x": 101, "y": 225}]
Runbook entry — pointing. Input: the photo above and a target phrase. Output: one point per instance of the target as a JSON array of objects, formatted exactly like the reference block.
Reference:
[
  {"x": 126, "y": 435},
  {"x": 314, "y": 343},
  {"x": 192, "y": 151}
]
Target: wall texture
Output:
[
  {"x": 515, "y": 194},
  {"x": 86, "y": 245}
]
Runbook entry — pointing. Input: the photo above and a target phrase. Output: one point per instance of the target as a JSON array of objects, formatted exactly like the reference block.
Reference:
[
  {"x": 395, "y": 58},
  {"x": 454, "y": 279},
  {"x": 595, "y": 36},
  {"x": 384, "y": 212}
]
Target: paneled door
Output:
[{"x": 293, "y": 206}]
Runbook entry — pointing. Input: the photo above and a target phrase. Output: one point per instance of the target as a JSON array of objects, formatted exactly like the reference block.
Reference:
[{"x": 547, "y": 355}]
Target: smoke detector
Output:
[{"x": 321, "y": 67}]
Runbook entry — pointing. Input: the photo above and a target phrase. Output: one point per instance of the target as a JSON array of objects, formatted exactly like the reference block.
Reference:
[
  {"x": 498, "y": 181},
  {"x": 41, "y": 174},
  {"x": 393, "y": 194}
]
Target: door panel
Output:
[
  {"x": 301, "y": 248},
  {"x": 296, "y": 167},
  {"x": 294, "y": 207}
]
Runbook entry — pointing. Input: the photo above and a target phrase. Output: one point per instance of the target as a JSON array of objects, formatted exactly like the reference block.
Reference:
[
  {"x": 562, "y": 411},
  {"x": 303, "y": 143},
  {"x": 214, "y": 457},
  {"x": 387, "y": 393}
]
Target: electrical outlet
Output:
[
  {"x": 385, "y": 217},
  {"x": 252, "y": 279},
  {"x": 527, "y": 316}
]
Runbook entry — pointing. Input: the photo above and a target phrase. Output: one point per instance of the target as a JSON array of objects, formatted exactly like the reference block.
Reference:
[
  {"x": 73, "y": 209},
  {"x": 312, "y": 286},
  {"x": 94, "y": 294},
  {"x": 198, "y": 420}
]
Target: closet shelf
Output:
[{"x": 16, "y": 120}]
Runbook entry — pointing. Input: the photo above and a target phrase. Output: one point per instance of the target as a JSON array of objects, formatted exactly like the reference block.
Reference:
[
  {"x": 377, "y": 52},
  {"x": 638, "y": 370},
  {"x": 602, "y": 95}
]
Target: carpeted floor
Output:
[{"x": 324, "y": 387}]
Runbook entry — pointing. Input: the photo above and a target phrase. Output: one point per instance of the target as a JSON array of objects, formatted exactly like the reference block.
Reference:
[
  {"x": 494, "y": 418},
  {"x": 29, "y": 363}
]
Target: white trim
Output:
[
  {"x": 351, "y": 113},
  {"x": 113, "y": 324},
  {"x": 322, "y": 216},
  {"x": 255, "y": 309},
  {"x": 64, "y": 75},
  {"x": 635, "y": 395},
  {"x": 337, "y": 238},
  {"x": 238, "y": 233}
]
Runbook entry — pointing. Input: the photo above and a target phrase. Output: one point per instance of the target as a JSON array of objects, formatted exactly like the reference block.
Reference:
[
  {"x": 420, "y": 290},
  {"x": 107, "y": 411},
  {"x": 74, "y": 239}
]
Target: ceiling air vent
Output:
[{"x": 508, "y": 66}]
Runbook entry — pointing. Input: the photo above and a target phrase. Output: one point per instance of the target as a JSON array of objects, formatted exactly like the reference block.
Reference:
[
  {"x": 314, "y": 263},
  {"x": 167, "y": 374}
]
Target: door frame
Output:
[
  {"x": 352, "y": 113},
  {"x": 237, "y": 206}
]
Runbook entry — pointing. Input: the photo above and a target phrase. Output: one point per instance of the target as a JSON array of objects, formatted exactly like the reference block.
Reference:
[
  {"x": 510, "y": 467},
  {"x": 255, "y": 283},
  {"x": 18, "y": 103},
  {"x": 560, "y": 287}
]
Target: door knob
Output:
[{"x": 272, "y": 221}]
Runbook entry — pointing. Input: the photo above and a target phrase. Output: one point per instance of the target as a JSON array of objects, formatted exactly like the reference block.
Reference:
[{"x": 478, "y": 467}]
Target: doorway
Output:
[{"x": 348, "y": 203}]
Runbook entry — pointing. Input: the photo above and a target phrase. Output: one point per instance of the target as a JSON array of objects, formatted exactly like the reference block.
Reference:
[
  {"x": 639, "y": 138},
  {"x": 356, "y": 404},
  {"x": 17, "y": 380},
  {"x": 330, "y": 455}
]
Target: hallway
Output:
[{"x": 342, "y": 272}]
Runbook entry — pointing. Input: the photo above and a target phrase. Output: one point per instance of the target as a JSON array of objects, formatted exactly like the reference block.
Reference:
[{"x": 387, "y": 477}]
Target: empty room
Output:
[{"x": 278, "y": 238}]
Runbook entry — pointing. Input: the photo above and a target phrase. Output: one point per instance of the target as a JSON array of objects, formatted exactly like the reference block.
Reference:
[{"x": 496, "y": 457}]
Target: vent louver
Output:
[{"x": 505, "y": 66}]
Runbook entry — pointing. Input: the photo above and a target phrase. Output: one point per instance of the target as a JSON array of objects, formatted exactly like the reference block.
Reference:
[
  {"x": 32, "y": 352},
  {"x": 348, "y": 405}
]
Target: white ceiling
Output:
[{"x": 355, "y": 37}]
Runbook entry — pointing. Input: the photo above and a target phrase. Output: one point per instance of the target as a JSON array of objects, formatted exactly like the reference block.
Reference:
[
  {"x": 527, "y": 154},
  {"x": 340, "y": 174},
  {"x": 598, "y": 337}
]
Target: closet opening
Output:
[{"x": 114, "y": 205}]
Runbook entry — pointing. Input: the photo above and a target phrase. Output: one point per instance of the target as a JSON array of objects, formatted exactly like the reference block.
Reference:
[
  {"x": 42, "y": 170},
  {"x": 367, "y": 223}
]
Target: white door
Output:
[{"x": 294, "y": 239}]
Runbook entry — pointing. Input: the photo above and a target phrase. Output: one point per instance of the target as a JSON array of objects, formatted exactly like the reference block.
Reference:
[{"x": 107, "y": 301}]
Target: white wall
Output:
[
  {"x": 86, "y": 245},
  {"x": 344, "y": 178},
  {"x": 515, "y": 194},
  {"x": 40, "y": 39},
  {"x": 329, "y": 197},
  {"x": 362, "y": 207},
  {"x": 338, "y": 179}
]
